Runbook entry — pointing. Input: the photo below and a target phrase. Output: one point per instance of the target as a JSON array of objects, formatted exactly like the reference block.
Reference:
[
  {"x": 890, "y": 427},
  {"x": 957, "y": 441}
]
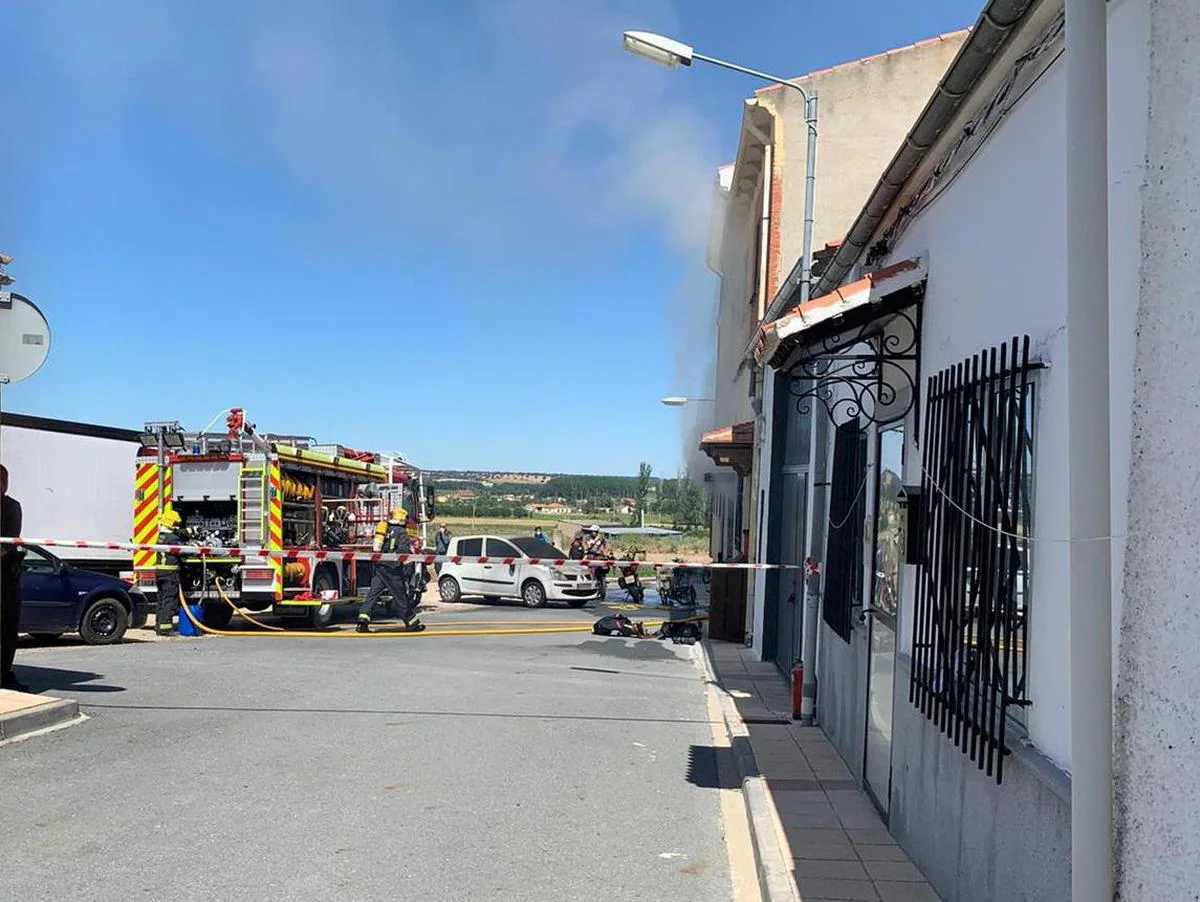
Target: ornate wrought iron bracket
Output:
[{"x": 870, "y": 372}]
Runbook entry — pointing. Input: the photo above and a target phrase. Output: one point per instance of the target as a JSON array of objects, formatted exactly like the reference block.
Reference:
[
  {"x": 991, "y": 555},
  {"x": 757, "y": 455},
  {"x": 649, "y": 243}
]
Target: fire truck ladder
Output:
[{"x": 252, "y": 503}]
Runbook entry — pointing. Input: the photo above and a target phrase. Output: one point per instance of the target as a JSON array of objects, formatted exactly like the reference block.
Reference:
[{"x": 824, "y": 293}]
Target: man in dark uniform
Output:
[
  {"x": 391, "y": 537},
  {"x": 10, "y": 585},
  {"x": 166, "y": 574}
]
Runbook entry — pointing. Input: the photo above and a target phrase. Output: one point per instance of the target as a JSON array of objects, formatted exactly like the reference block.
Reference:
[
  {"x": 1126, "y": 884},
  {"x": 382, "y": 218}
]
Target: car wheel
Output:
[
  {"x": 577, "y": 602},
  {"x": 533, "y": 594},
  {"x": 449, "y": 589},
  {"x": 217, "y": 614},
  {"x": 104, "y": 622}
]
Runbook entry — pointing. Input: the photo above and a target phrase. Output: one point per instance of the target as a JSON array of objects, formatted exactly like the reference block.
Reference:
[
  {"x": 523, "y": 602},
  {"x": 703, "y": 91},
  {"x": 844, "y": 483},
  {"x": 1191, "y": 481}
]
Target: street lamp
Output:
[
  {"x": 679, "y": 402},
  {"x": 671, "y": 53}
]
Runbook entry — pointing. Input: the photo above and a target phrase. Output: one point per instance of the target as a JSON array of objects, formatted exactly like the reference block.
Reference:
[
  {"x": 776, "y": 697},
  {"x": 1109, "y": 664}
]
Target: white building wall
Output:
[
  {"x": 1157, "y": 706},
  {"x": 996, "y": 240},
  {"x": 72, "y": 487},
  {"x": 996, "y": 243}
]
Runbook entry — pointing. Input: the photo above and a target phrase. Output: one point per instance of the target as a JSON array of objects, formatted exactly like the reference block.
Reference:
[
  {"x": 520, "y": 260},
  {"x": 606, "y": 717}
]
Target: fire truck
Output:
[{"x": 243, "y": 489}]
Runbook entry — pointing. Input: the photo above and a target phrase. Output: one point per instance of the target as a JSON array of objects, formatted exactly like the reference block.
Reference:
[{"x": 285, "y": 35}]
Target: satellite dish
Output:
[{"x": 24, "y": 338}]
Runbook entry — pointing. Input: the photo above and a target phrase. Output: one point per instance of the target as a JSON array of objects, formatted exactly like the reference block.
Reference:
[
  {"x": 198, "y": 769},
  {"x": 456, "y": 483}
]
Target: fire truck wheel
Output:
[
  {"x": 217, "y": 614},
  {"x": 533, "y": 594},
  {"x": 104, "y": 622},
  {"x": 449, "y": 589},
  {"x": 320, "y": 615}
]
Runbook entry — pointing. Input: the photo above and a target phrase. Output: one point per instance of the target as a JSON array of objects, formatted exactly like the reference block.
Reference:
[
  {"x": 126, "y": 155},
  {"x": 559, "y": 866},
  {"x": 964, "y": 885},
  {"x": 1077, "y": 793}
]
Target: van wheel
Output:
[
  {"x": 104, "y": 622},
  {"x": 533, "y": 594},
  {"x": 449, "y": 589}
]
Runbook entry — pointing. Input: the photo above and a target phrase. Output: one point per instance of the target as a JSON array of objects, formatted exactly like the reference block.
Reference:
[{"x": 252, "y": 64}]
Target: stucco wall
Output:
[
  {"x": 1158, "y": 708},
  {"x": 974, "y": 840},
  {"x": 996, "y": 243},
  {"x": 865, "y": 108}
]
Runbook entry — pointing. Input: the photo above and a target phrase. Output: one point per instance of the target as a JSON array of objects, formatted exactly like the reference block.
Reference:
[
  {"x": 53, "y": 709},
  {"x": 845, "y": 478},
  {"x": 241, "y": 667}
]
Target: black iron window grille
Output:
[
  {"x": 971, "y": 615},
  {"x": 847, "y": 513}
]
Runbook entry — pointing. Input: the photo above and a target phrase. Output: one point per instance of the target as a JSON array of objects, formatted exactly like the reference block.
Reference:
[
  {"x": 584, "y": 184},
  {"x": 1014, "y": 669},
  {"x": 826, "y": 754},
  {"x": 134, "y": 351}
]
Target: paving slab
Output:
[{"x": 840, "y": 848}]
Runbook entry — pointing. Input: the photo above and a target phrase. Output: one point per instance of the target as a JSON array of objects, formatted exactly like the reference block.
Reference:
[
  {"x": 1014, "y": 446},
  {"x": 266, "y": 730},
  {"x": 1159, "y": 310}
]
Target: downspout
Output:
[
  {"x": 764, "y": 229},
  {"x": 1089, "y": 451}
]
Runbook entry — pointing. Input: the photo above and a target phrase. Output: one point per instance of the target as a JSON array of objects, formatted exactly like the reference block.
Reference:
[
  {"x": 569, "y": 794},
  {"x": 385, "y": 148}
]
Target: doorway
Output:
[
  {"x": 885, "y": 599},
  {"x": 789, "y": 600}
]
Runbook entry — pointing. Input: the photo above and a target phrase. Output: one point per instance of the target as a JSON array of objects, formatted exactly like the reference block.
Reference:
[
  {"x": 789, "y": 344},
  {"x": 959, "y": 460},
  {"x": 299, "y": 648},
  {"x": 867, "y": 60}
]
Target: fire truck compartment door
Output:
[{"x": 207, "y": 481}]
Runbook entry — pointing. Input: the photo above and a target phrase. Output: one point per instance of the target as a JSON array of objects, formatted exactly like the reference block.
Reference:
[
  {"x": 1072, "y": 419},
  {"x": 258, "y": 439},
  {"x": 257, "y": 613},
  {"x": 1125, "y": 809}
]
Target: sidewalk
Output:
[
  {"x": 22, "y": 713},
  {"x": 840, "y": 849}
]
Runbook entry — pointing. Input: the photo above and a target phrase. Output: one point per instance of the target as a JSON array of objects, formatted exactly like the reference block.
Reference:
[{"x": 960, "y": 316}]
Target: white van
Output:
[{"x": 533, "y": 584}]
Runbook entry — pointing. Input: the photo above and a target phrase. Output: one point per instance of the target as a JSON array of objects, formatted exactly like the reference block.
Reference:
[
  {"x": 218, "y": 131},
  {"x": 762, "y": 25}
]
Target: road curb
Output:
[
  {"x": 775, "y": 879},
  {"x": 56, "y": 713}
]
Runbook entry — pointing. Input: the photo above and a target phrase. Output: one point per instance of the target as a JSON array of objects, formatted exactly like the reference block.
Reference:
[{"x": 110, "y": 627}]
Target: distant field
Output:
[{"x": 693, "y": 545}]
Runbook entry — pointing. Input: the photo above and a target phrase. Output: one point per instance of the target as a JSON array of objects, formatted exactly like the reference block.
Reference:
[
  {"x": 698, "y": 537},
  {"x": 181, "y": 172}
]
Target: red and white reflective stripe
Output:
[{"x": 292, "y": 554}]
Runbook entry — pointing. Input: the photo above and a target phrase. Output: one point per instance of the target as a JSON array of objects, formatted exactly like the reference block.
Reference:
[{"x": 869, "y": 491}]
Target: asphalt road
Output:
[{"x": 498, "y": 767}]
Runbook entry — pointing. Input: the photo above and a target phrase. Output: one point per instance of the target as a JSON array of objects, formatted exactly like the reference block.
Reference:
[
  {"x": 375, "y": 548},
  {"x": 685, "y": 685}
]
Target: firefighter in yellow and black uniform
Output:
[
  {"x": 392, "y": 537},
  {"x": 166, "y": 573}
]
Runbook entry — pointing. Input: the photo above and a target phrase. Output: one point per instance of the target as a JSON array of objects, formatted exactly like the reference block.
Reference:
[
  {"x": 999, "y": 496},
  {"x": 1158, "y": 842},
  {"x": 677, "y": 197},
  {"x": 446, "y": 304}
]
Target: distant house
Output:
[{"x": 551, "y": 507}]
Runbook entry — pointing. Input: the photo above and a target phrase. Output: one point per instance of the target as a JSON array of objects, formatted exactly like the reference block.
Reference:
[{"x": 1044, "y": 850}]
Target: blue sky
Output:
[{"x": 470, "y": 231}]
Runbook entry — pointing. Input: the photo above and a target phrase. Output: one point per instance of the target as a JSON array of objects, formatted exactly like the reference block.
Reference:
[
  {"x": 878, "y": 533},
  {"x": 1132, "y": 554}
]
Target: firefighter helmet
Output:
[
  {"x": 399, "y": 514},
  {"x": 170, "y": 518}
]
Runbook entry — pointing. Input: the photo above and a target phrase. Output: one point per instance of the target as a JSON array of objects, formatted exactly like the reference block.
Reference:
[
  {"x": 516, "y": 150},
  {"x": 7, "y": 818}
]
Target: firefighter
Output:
[
  {"x": 392, "y": 537},
  {"x": 166, "y": 573}
]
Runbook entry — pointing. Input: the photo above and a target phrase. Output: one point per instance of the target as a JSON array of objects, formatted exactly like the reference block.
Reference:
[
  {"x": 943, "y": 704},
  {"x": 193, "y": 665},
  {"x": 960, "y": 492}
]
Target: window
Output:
[
  {"x": 37, "y": 561},
  {"x": 500, "y": 548},
  {"x": 847, "y": 514},
  {"x": 470, "y": 547},
  {"x": 971, "y": 614}
]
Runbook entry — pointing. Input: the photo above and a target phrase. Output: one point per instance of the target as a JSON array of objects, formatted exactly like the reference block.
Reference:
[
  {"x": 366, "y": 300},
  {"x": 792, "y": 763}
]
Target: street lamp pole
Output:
[{"x": 671, "y": 53}]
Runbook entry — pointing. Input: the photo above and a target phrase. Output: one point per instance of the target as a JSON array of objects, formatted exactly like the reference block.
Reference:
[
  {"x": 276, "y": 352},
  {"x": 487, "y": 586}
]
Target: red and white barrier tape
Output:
[{"x": 293, "y": 554}]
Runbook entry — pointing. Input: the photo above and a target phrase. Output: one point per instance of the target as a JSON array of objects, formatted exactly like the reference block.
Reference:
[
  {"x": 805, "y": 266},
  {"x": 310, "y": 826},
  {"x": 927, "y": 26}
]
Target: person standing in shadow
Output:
[{"x": 11, "y": 557}]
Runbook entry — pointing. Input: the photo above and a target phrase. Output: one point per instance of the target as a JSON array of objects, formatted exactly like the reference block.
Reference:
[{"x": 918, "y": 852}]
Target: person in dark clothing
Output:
[
  {"x": 166, "y": 574},
  {"x": 10, "y": 586},
  {"x": 441, "y": 544},
  {"x": 391, "y": 537}
]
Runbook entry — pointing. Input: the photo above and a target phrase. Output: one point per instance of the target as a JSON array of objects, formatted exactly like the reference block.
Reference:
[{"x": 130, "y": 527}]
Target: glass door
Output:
[{"x": 881, "y": 671}]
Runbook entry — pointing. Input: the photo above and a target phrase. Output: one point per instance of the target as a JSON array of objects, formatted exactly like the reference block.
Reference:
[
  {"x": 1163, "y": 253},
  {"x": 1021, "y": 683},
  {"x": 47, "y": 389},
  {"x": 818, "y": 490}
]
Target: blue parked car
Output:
[{"x": 57, "y": 598}]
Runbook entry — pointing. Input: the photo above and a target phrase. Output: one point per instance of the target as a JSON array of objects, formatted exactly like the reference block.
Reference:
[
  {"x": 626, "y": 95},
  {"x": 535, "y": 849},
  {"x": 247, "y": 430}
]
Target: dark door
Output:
[
  {"x": 790, "y": 598},
  {"x": 47, "y": 596}
]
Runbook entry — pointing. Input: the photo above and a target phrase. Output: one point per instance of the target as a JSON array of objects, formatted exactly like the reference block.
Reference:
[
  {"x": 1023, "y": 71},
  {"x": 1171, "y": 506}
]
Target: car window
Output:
[
  {"x": 470, "y": 547},
  {"x": 37, "y": 562},
  {"x": 501, "y": 548}
]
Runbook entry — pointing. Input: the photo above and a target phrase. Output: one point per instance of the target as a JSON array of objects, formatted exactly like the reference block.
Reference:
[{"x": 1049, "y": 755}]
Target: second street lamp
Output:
[
  {"x": 679, "y": 402},
  {"x": 671, "y": 53}
]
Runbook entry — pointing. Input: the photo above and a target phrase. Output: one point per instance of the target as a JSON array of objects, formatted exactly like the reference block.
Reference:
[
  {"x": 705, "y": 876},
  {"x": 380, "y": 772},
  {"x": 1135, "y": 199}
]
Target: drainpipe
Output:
[
  {"x": 764, "y": 231},
  {"x": 1088, "y": 451},
  {"x": 810, "y": 188},
  {"x": 814, "y": 550}
]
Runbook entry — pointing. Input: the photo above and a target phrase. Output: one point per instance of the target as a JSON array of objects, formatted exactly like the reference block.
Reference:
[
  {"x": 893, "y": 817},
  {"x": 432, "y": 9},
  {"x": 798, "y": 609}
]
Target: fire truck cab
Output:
[{"x": 250, "y": 491}]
